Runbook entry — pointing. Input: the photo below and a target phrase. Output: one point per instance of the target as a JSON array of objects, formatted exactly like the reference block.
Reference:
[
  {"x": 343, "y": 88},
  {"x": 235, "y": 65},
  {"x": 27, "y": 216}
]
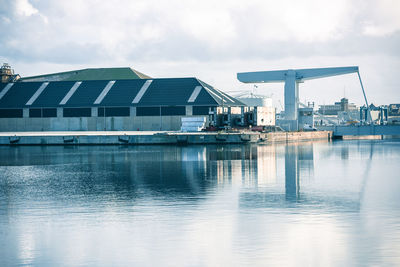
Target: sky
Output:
[{"x": 213, "y": 40}]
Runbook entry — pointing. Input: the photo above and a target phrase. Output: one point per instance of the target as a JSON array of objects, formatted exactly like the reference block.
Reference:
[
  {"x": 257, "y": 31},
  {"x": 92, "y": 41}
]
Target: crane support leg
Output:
[
  {"x": 365, "y": 98},
  {"x": 291, "y": 99}
]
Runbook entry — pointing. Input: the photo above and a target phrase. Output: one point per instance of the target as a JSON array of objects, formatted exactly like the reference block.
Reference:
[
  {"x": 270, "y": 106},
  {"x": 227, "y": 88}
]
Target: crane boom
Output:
[{"x": 292, "y": 78}]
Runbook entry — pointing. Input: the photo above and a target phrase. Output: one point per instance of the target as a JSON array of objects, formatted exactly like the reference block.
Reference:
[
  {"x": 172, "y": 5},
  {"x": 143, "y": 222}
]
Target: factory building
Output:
[
  {"x": 69, "y": 102},
  {"x": 7, "y": 74},
  {"x": 343, "y": 105},
  {"x": 259, "y": 110}
]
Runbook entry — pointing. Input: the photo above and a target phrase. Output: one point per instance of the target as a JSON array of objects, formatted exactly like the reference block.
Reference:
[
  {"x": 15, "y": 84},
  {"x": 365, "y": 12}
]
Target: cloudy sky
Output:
[{"x": 212, "y": 40}]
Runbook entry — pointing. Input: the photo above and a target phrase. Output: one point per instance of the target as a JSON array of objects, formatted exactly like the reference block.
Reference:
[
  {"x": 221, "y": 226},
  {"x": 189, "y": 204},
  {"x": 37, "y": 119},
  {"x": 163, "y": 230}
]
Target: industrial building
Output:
[
  {"x": 259, "y": 110},
  {"x": 342, "y": 106},
  {"x": 394, "y": 109},
  {"x": 7, "y": 74},
  {"x": 92, "y": 105}
]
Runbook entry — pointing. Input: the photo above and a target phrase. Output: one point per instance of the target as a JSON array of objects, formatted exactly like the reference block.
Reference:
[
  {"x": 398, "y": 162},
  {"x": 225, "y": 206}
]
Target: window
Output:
[
  {"x": 114, "y": 112},
  {"x": 200, "y": 110},
  {"x": 49, "y": 112},
  {"x": 77, "y": 112},
  {"x": 11, "y": 113},
  {"x": 173, "y": 111},
  {"x": 43, "y": 113},
  {"x": 165, "y": 111},
  {"x": 35, "y": 113},
  {"x": 148, "y": 111}
]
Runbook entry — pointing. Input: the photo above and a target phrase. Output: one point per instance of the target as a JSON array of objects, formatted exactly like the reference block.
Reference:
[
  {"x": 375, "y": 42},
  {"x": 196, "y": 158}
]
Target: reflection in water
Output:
[
  {"x": 344, "y": 152},
  {"x": 296, "y": 204},
  {"x": 292, "y": 186}
]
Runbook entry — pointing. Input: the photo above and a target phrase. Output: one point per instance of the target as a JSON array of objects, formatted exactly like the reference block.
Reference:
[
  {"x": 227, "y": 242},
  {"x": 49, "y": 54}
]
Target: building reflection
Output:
[
  {"x": 257, "y": 165},
  {"x": 185, "y": 170},
  {"x": 267, "y": 175}
]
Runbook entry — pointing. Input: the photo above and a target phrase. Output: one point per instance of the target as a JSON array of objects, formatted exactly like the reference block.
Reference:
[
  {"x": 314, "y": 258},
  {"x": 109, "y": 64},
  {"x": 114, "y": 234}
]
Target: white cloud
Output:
[
  {"x": 211, "y": 39},
  {"x": 306, "y": 21},
  {"x": 210, "y": 23},
  {"x": 6, "y": 20},
  {"x": 24, "y": 8},
  {"x": 383, "y": 18}
]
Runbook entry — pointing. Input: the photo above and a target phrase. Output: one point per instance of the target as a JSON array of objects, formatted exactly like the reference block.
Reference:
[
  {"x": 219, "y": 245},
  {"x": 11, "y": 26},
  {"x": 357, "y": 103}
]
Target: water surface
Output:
[{"x": 306, "y": 204}]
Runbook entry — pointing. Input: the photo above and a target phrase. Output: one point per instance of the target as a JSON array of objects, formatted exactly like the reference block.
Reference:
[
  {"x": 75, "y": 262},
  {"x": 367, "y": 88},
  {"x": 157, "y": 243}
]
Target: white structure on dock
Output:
[{"x": 260, "y": 109}]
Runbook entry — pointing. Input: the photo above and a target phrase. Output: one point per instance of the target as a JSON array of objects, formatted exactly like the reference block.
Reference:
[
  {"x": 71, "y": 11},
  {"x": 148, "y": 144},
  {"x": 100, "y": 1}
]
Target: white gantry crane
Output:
[{"x": 292, "y": 78}]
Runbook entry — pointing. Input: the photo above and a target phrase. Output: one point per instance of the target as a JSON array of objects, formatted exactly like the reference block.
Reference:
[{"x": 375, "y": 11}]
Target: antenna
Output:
[{"x": 254, "y": 90}]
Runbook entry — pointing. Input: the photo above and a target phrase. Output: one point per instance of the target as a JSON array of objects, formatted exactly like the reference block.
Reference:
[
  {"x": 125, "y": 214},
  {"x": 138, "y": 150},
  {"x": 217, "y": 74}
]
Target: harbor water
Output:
[{"x": 301, "y": 204}]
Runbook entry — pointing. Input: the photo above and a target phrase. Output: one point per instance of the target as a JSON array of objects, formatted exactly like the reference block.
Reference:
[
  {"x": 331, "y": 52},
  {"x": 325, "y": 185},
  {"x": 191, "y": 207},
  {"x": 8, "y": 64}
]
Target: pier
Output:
[
  {"x": 155, "y": 137},
  {"x": 362, "y": 130}
]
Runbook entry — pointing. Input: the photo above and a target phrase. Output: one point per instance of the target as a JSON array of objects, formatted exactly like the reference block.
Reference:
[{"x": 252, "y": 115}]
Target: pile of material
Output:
[{"x": 193, "y": 124}]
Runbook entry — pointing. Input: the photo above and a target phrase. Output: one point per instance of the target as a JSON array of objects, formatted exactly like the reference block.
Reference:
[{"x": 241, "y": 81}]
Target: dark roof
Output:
[
  {"x": 53, "y": 94},
  {"x": 19, "y": 93},
  {"x": 90, "y": 74},
  {"x": 146, "y": 92},
  {"x": 86, "y": 94}
]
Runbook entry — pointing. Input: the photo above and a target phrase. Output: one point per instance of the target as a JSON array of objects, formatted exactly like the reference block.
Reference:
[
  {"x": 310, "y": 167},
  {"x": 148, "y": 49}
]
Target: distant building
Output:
[
  {"x": 343, "y": 105},
  {"x": 7, "y": 74},
  {"x": 349, "y": 117},
  {"x": 376, "y": 114},
  {"x": 306, "y": 117},
  {"x": 394, "y": 114},
  {"x": 394, "y": 110}
]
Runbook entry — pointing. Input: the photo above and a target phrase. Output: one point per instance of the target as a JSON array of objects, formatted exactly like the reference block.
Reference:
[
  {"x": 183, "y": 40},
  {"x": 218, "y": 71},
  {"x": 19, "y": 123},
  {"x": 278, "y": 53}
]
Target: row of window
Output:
[{"x": 103, "y": 112}]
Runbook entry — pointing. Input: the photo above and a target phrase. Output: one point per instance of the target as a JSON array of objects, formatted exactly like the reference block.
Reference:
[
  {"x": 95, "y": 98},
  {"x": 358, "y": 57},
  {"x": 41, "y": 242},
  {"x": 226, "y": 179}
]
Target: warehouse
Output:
[
  {"x": 70, "y": 104},
  {"x": 89, "y": 74}
]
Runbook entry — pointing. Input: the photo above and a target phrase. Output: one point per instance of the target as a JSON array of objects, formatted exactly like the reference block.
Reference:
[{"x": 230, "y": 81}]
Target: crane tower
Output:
[{"x": 292, "y": 78}]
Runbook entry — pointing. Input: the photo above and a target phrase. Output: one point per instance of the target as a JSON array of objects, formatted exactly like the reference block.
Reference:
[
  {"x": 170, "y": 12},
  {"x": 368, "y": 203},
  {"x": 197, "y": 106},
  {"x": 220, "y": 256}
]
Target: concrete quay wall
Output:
[
  {"x": 124, "y": 138},
  {"x": 279, "y": 137},
  {"x": 144, "y": 138},
  {"x": 362, "y": 130},
  {"x": 133, "y": 123}
]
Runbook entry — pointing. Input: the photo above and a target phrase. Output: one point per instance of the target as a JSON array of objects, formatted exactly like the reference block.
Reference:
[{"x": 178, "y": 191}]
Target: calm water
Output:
[{"x": 308, "y": 204}]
